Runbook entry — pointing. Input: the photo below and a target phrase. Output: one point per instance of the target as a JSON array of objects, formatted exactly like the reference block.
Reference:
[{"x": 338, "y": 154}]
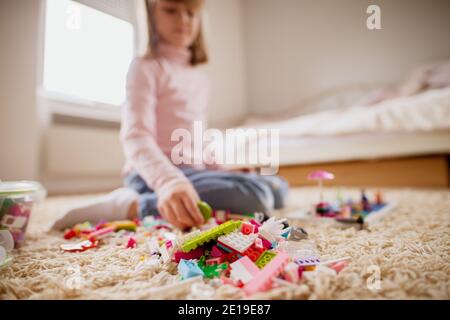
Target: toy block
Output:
[
  {"x": 265, "y": 258},
  {"x": 233, "y": 256},
  {"x": 221, "y": 216},
  {"x": 205, "y": 209},
  {"x": 127, "y": 225},
  {"x": 237, "y": 241},
  {"x": 263, "y": 279},
  {"x": 266, "y": 244},
  {"x": 254, "y": 252},
  {"x": 259, "y": 243},
  {"x": 214, "y": 270},
  {"x": 224, "y": 248},
  {"x": 194, "y": 254},
  {"x": 338, "y": 266},
  {"x": 308, "y": 261},
  {"x": 247, "y": 228},
  {"x": 79, "y": 246},
  {"x": 214, "y": 261},
  {"x": 131, "y": 244},
  {"x": 298, "y": 234},
  {"x": 189, "y": 269},
  {"x": 101, "y": 232},
  {"x": 286, "y": 233},
  {"x": 216, "y": 252},
  {"x": 209, "y": 235},
  {"x": 243, "y": 270}
]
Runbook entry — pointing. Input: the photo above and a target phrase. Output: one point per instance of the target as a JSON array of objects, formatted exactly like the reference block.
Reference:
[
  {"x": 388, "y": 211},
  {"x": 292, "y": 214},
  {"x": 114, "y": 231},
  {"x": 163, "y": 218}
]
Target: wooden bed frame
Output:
[{"x": 423, "y": 172}]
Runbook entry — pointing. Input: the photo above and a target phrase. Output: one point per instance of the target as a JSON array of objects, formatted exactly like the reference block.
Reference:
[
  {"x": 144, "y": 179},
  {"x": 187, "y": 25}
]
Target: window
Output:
[{"x": 87, "y": 53}]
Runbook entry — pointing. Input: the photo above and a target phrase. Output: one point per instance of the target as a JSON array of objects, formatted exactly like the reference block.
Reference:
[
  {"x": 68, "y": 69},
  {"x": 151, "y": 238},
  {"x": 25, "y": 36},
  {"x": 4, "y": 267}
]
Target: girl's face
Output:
[{"x": 176, "y": 23}]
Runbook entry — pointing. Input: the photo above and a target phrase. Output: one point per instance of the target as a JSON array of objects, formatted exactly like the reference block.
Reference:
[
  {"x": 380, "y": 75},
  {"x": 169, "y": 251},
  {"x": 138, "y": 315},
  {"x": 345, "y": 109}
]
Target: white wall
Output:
[
  {"x": 227, "y": 70},
  {"x": 19, "y": 128},
  {"x": 298, "y": 48}
]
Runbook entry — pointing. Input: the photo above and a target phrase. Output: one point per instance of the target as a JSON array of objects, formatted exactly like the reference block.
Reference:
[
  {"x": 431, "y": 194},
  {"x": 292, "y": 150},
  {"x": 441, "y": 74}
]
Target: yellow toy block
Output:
[
  {"x": 265, "y": 258},
  {"x": 209, "y": 235}
]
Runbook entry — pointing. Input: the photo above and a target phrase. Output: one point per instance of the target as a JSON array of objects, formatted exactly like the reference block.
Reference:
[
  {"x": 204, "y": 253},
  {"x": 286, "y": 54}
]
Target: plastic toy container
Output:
[{"x": 17, "y": 201}]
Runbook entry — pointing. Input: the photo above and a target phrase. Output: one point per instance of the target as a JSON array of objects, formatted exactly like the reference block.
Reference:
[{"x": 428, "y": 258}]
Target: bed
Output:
[{"x": 396, "y": 143}]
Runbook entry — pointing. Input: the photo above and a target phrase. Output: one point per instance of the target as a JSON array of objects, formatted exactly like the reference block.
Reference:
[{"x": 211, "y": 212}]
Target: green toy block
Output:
[
  {"x": 209, "y": 235},
  {"x": 265, "y": 258},
  {"x": 213, "y": 271},
  {"x": 205, "y": 209}
]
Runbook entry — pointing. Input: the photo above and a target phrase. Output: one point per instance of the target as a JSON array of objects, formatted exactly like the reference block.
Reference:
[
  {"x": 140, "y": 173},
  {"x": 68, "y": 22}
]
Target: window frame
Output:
[{"x": 59, "y": 103}]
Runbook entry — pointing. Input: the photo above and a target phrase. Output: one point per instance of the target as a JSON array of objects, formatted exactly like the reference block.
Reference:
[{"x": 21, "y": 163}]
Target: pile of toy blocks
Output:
[
  {"x": 251, "y": 255},
  {"x": 242, "y": 251}
]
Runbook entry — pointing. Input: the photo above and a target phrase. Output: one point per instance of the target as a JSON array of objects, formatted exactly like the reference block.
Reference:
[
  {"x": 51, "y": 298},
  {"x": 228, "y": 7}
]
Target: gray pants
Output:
[{"x": 243, "y": 193}]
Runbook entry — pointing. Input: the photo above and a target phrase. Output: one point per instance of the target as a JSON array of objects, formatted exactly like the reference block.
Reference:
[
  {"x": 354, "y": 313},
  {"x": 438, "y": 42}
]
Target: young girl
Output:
[{"x": 166, "y": 91}]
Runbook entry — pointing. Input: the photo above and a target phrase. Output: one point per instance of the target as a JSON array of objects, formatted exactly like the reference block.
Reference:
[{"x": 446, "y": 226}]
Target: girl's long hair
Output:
[{"x": 198, "y": 48}]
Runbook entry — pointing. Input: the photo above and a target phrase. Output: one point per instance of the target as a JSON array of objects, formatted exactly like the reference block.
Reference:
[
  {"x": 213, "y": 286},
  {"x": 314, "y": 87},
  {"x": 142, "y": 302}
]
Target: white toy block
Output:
[
  {"x": 237, "y": 241},
  {"x": 243, "y": 269}
]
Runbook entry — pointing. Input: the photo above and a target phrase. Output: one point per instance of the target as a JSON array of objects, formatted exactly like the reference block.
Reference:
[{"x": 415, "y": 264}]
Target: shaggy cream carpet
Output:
[{"x": 404, "y": 255}]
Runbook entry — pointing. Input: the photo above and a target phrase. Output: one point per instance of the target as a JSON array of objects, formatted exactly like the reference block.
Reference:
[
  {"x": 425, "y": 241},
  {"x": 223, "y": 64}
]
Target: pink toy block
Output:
[
  {"x": 194, "y": 254},
  {"x": 101, "y": 232},
  {"x": 214, "y": 261},
  {"x": 243, "y": 269},
  {"x": 266, "y": 244},
  {"x": 131, "y": 244},
  {"x": 263, "y": 279},
  {"x": 247, "y": 228},
  {"x": 338, "y": 266},
  {"x": 216, "y": 252},
  {"x": 259, "y": 243}
]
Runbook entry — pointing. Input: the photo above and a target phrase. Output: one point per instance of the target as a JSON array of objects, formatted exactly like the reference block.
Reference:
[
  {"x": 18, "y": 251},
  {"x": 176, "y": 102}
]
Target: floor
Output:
[{"x": 404, "y": 255}]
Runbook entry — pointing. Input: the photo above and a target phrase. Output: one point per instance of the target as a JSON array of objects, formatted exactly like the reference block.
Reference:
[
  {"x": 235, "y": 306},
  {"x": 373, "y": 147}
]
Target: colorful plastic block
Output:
[
  {"x": 214, "y": 261},
  {"x": 189, "y": 269},
  {"x": 298, "y": 234},
  {"x": 132, "y": 243},
  {"x": 338, "y": 266},
  {"x": 247, "y": 228},
  {"x": 265, "y": 258},
  {"x": 79, "y": 246},
  {"x": 237, "y": 241},
  {"x": 221, "y": 216},
  {"x": 259, "y": 243},
  {"x": 194, "y": 254},
  {"x": 212, "y": 271},
  {"x": 266, "y": 244},
  {"x": 243, "y": 270},
  {"x": 308, "y": 261},
  {"x": 254, "y": 252},
  {"x": 209, "y": 235},
  {"x": 127, "y": 225},
  {"x": 101, "y": 233},
  {"x": 263, "y": 279},
  {"x": 224, "y": 248},
  {"x": 205, "y": 209},
  {"x": 233, "y": 256},
  {"x": 216, "y": 252}
]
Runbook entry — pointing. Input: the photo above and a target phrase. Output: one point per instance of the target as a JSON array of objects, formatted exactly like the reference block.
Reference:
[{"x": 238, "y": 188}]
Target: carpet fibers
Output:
[{"x": 403, "y": 255}]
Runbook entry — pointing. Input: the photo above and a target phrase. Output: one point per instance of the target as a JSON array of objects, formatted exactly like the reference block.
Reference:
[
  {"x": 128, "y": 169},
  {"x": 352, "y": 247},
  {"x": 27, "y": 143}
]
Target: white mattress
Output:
[{"x": 361, "y": 147}]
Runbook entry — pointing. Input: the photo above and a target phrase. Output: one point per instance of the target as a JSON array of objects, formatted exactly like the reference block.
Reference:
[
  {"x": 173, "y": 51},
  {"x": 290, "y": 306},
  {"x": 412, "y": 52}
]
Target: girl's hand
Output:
[{"x": 178, "y": 205}]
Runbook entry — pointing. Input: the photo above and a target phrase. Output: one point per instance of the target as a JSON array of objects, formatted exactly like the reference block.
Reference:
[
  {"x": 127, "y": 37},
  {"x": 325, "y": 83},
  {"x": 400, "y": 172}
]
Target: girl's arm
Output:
[{"x": 139, "y": 144}]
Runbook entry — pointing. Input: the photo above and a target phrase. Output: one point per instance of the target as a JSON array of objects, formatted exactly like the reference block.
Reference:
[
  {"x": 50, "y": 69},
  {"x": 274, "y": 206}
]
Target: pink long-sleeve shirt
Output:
[{"x": 163, "y": 94}]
